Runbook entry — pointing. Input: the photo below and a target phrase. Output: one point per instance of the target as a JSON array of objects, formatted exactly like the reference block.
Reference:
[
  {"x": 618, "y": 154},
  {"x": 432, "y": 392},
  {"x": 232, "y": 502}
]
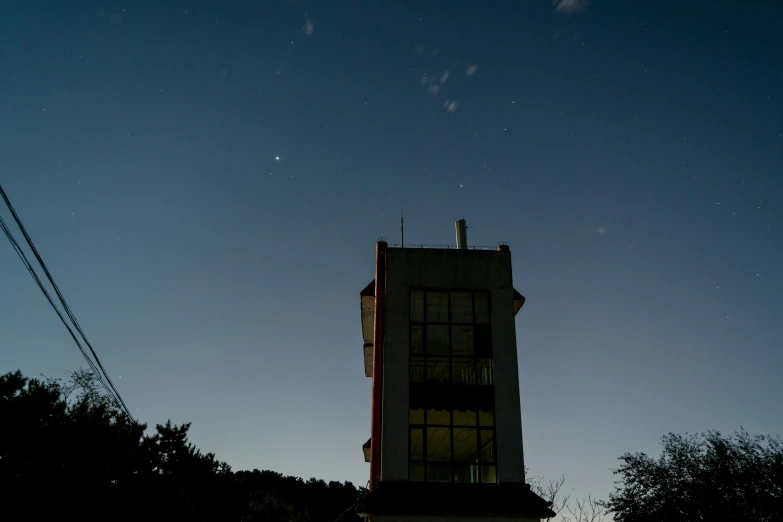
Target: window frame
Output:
[
  {"x": 423, "y": 356},
  {"x": 480, "y": 430},
  {"x": 485, "y": 354}
]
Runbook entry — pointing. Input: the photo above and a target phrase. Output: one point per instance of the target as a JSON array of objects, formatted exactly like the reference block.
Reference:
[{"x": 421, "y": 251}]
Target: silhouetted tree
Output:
[
  {"x": 702, "y": 477},
  {"x": 62, "y": 448},
  {"x": 68, "y": 452},
  {"x": 550, "y": 490},
  {"x": 565, "y": 508},
  {"x": 267, "y": 493},
  {"x": 590, "y": 510}
]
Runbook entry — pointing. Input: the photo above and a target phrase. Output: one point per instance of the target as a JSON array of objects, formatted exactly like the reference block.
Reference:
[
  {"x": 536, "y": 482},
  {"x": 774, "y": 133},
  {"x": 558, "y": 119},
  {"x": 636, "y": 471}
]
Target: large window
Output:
[
  {"x": 452, "y": 426},
  {"x": 452, "y": 446},
  {"x": 450, "y": 338}
]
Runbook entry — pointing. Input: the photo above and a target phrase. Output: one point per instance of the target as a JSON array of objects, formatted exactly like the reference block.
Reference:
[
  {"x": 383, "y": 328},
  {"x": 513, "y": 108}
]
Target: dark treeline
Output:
[{"x": 67, "y": 452}]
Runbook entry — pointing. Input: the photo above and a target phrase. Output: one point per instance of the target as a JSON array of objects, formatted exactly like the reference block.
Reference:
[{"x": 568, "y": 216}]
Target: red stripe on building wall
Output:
[{"x": 377, "y": 365}]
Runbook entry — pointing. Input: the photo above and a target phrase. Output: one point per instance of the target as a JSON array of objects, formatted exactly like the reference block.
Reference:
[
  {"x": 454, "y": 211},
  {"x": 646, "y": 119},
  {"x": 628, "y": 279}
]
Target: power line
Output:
[
  {"x": 111, "y": 390},
  {"x": 65, "y": 304},
  {"x": 26, "y": 262}
]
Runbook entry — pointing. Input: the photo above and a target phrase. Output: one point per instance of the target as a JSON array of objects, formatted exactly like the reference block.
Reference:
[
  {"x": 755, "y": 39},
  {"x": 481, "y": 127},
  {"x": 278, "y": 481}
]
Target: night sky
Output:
[{"x": 206, "y": 181}]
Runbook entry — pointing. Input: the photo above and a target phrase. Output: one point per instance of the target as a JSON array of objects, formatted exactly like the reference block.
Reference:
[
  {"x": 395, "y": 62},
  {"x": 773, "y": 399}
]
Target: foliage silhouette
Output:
[
  {"x": 702, "y": 477},
  {"x": 67, "y": 451}
]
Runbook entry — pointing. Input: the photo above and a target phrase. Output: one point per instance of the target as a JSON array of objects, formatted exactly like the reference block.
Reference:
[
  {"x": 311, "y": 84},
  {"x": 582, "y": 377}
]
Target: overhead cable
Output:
[
  {"x": 30, "y": 269},
  {"x": 65, "y": 306},
  {"x": 100, "y": 372}
]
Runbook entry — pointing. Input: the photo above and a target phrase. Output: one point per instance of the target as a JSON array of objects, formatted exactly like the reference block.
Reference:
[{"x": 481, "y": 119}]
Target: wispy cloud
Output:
[
  {"x": 444, "y": 76},
  {"x": 569, "y": 7},
  {"x": 600, "y": 230},
  {"x": 434, "y": 89},
  {"x": 450, "y": 106},
  {"x": 472, "y": 69},
  {"x": 308, "y": 28}
]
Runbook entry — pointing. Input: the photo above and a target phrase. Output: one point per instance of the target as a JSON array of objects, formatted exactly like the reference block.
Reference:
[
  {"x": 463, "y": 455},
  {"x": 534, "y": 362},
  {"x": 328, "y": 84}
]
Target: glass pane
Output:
[
  {"x": 438, "y": 370},
  {"x": 417, "y": 416},
  {"x": 438, "y": 417},
  {"x": 482, "y": 340},
  {"x": 487, "y": 446},
  {"x": 417, "y": 339},
  {"x": 417, "y": 369},
  {"x": 417, "y": 306},
  {"x": 417, "y": 445},
  {"x": 469, "y": 474},
  {"x": 465, "y": 445},
  {"x": 486, "y": 374},
  {"x": 462, "y": 340},
  {"x": 438, "y": 445},
  {"x": 437, "y": 307},
  {"x": 416, "y": 471},
  {"x": 489, "y": 474},
  {"x": 439, "y": 472},
  {"x": 482, "y": 307},
  {"x": 438, "y": 340},
  {"x": 486, "y": 418},
  {"x": 461, "y": 307},
  {"x": 464, "y": 418},
  {"x": 463, "y": 370}
]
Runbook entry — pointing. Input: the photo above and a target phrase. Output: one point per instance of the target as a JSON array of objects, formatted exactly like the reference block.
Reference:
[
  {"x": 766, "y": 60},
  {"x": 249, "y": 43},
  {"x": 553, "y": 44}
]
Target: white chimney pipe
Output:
[{"x": 461, "y": 227}]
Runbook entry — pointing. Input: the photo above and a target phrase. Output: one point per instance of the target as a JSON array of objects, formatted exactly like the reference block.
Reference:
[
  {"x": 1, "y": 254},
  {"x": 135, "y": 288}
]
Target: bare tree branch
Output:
[
  {"x": 589, "y": 510},
  {"x": 550, "y": 490}
]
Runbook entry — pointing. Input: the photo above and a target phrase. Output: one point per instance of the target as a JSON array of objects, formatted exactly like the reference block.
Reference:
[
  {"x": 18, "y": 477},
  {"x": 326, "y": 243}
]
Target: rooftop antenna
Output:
[{"x": 402, "y": 231}]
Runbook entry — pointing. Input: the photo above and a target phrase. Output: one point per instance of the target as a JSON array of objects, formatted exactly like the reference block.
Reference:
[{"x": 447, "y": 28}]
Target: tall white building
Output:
[{"x": 440, "y": 345}]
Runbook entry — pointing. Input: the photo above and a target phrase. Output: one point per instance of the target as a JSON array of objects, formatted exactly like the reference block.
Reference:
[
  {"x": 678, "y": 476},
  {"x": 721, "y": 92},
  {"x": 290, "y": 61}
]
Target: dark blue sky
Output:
[{"x": 206, "y": 181}]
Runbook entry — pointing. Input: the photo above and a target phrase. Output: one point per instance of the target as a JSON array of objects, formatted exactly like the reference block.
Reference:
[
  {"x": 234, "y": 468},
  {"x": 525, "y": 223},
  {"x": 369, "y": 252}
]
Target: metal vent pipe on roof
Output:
[{"x": 461, "y": 227}]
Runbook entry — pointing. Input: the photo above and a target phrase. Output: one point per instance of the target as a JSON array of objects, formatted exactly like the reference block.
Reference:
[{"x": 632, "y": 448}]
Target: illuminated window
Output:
[
  {"x": 455, "y": 446},
  {"x": 450, "y": 339},
  {"x": 450, "y": 345}
]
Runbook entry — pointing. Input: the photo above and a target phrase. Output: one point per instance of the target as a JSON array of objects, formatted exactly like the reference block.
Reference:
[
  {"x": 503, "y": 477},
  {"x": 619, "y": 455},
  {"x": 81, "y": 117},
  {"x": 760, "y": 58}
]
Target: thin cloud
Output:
[
  {"x": 472, "y": 69},
  {"x": 600, "y": 231},
  {"x": 434, "y": 89},
  {"x": 450, "y": 106},
  {"x": 308, "y": 28},
  {"x": 569, "y": 7},
  {"x": 444, "y": 76}
]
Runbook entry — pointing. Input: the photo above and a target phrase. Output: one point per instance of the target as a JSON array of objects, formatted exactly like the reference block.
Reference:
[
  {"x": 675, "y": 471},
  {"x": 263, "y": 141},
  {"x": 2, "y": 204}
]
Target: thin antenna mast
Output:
[{"x": 402, "y": 231}]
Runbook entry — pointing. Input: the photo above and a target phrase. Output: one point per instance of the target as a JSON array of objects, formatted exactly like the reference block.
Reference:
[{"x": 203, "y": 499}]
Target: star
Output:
[{"x": 277, "y": 158}]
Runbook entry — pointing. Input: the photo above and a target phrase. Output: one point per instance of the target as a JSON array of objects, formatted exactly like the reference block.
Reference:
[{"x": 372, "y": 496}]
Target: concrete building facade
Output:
[{"x": 440, "y": 345}]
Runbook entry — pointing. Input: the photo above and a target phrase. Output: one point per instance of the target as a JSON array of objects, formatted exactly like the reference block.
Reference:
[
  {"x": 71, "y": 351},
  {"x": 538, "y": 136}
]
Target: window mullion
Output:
[
  {"x": 448, "y": 322},
  {"x": 478, "y": 450},
  {"x": 424, "y": 331},
  {"x": 425, "y": 435},
  {"x": 450, "y": 382},
  {"x": 425, "y": 431},
  {"x": 451, "y": 434}
]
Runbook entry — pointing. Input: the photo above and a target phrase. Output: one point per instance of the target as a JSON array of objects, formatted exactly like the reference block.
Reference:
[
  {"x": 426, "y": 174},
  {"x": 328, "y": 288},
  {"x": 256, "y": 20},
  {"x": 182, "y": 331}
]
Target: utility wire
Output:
[
  {"x": 65, "y": 304},
  {"x": 26, "y": 262},
  {"x": 110, "y": 388}
]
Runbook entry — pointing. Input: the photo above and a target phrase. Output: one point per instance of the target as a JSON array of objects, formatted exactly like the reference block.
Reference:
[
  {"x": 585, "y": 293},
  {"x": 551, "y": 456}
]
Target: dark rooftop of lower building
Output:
[{"x": 433, "y": 498}]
